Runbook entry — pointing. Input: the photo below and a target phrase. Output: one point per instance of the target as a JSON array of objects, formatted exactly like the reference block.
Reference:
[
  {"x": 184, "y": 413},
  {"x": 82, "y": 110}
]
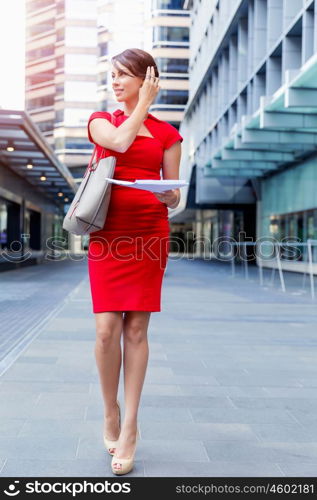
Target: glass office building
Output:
[
  {"x": 250, "y": 125},
  {"x": 61, "y": 75},
  {"x": 167, "y": 39}
]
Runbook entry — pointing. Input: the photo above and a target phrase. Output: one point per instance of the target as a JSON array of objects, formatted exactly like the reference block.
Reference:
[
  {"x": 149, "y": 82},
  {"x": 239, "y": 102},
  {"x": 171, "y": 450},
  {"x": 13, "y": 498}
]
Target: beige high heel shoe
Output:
[
  {"x": 126, "y": 464},
  {"x": 110, "y": 444}
]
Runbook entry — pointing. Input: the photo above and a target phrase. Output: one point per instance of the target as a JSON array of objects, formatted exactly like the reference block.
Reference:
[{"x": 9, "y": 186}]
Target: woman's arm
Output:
[
  {"x": 118, "y": 138},
  {"x": 170, "y": 168}
]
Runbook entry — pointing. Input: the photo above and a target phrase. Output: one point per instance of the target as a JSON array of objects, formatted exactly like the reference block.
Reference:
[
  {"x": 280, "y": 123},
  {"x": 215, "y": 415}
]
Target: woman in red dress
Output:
[{"x": 127, "y": 258}]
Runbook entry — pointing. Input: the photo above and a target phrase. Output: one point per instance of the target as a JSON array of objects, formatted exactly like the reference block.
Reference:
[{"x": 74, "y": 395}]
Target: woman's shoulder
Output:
[
  {"x": 99, "y": 114},
  {"x": 164, "y": 124},
  {"x": 169, "y": 132}
]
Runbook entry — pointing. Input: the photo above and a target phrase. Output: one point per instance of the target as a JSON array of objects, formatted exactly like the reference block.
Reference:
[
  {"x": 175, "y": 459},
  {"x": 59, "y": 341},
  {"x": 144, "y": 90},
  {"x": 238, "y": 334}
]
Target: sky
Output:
[{"x": 12, "y": 57}]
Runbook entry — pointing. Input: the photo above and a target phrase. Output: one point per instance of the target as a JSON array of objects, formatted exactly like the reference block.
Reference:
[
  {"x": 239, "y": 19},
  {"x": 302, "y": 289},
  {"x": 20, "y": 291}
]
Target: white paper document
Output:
[{"x": 156, "y": 186}]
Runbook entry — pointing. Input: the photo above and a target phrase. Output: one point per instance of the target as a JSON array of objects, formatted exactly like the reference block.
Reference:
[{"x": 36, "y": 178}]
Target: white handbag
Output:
[{"x": 88, "y": 210}]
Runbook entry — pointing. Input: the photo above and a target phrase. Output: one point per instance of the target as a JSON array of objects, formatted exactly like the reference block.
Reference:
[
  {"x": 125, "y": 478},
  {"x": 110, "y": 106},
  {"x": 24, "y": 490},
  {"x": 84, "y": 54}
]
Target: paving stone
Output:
[
  {"x": 176, "y": 450},
  {"x": 242, "y": 415},
  {"x": 299, "y": 469},
  {"x": 230, "y": 390},
  {"x": 43, "y": 386},
  {"x": 11, "y": 426},
  {"x": 155, "y": 468},
  {"x": 50, "y": 360},
  {"x": 199, "y": 431},
  {"x": 282, "y": 432},
  {"x": 25, "y": 299},
  {"x": 62, "y": 468},
  {"x": 44, "y": 447}
]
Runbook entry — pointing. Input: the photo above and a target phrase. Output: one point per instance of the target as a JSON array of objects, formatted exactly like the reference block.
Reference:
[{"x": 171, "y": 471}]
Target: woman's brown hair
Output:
[{"x": 136, "y": 60}]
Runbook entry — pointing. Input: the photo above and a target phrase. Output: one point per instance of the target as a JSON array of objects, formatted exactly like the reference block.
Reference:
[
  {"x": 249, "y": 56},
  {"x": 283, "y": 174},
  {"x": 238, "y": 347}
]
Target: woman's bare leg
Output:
[
  {"x": 135, "y": 359},
  {"x": 108, "y": 358}
]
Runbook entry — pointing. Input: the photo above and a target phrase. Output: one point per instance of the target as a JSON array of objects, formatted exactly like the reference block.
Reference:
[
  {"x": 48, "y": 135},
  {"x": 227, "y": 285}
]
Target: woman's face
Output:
[{"x": 124, "y": 83}]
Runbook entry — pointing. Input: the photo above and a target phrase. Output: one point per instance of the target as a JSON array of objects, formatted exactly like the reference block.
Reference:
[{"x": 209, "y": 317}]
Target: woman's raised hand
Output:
[{"x": 150, "y": 87}]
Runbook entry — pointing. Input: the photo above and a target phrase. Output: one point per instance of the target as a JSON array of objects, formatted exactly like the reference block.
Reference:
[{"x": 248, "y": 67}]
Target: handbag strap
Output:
[{"x": 90, "y": 168}]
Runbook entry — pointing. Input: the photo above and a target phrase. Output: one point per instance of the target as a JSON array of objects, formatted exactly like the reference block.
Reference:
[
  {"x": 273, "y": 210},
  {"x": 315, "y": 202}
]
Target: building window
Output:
[
  {"x": 60, "y": 34},
  {"x": 39, "y": 4},
  {"x": 172, "y": 97},
  {"x": 168, "y": 4},
  {"x": 299, "y": 226},
  {"x": 170, "y": 34},
  {"x": 38, "y": 29},
  {"x": 40, "y": 102},
  {"x": 46, "y": 126},
  {"x": 59, "y": 90},
  {"x": 103, "y": 78},
  {"x": 103, "y": 49},
  {"x": 59, "y": 116},
  {"x": 60, "y": 7},
  {"x": 169, "y": 65},
  {"x": 72, "y": 143},
  {"x": 33, "y": 228},
  {"x": 60, "y": 62},
  {"x": 3, "y": 224},
  {"x": 77, "y": 143},
  {"x": 38, "y": 78},
  {"x": 39, "y": 53},
  {"x": 9, "y": 223},
  {"x": 60, "y": 143}
]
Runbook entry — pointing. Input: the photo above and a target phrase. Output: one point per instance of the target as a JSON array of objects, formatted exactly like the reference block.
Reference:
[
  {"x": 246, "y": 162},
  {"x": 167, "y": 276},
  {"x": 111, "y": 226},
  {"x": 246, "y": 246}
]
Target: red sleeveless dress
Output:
[{"x": 128, "y": 257}]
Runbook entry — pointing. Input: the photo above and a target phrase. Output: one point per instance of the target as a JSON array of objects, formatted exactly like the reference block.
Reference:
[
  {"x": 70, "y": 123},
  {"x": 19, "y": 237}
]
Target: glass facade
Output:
[
  {"x": 32, "y": 227},
  {"x": 10, "y": 215},
  {"x": 45, "y": 126},
  {"x": 289, "y": 201},
  {"x": 298, "y": 226},
  {"x": 39, "y": 53},
  {"x": 42, "y": 77},
  {"x": 3, "y": 224},
  {"x": 38, "y": 29},
  {"x": 249, "y": 112},
  {"x": 170, "y": 34},
  {"x": 292, "y": 190},
  {"x": 41, "y": 102},
  {"x": 171, "y": 65},
  {"x": 70, "y": 68},
  {"x": 9, "y": 223},
  {"x": 172, "y": 97},
  {"x": 39, "y": 4},
  {"x": 167, "y": 4}
]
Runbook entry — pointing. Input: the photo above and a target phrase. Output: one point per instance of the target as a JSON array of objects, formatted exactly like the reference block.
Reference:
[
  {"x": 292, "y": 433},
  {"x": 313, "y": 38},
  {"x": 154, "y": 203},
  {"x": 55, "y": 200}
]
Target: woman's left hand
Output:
[{"x": 170, "y": 197}]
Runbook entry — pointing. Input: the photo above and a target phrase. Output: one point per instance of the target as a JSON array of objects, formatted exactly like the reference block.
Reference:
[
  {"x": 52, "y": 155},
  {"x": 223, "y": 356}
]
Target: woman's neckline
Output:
[
  {"x": 127, "y": 116},
  {"x": 138, "y": 135},
  {"x": 147, "y": 136}
]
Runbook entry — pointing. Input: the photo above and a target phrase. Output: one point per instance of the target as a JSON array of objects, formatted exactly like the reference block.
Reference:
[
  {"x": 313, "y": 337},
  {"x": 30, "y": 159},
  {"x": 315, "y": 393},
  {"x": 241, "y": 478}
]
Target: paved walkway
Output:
[
  {"x": 231, "y": 386},
  {"x": 28, "y": 297}
]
